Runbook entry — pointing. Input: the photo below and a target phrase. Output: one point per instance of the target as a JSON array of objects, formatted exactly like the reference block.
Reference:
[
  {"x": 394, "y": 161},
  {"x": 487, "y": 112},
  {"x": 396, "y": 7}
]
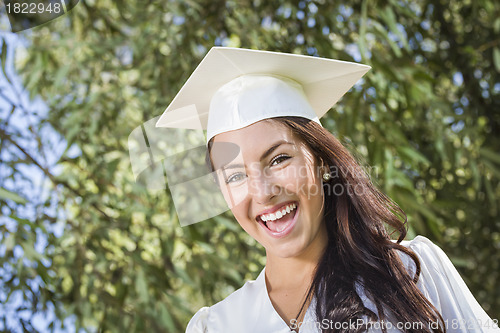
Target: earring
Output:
[{"x": 326, "y": 176}]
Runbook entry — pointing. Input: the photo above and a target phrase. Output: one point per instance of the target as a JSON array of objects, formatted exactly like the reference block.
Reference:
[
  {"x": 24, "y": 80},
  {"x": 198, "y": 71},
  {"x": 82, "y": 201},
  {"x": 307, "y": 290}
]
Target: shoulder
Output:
[
  {"x": 431, "y": 256},
  {"x": 198, "y": 323},
  {"x": 442, "y": 285},
  {"x": 423, "y": 246},
  {"x": 438, "y": 276},
  {"x": 435, "y": 267},
  {"x": 420, "y": 244},
  {"x": 234, "y": 309}
]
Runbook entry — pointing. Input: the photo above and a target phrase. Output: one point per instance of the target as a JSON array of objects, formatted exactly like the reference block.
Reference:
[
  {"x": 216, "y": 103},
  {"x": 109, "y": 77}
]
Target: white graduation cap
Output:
[{"x": 232, "y": 88}]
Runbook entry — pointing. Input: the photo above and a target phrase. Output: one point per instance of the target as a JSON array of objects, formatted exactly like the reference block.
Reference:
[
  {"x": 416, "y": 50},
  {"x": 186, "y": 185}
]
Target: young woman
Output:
[{"x": 331, "y": 265}]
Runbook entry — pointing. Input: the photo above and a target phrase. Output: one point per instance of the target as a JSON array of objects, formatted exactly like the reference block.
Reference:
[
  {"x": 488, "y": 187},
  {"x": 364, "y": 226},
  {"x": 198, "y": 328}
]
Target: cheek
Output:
[
  {"x": 234, "y": 195},
  {"x": 300, "y": 179},
  {"x": 316, "y": 190},
  {"x": 316, "y": 200},
  {"x": 240, "y": 213},
  {"x": 309, "y": 188}
]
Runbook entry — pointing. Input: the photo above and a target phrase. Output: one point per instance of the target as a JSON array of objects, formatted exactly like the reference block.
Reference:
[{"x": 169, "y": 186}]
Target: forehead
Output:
[
  {"x": 251, "y": 140},
  {"x": 261, "y": 131}
]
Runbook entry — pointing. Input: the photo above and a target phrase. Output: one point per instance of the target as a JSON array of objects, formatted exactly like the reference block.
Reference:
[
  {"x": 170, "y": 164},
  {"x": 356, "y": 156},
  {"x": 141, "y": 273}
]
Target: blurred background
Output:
[{"x": 83, "y": 247}]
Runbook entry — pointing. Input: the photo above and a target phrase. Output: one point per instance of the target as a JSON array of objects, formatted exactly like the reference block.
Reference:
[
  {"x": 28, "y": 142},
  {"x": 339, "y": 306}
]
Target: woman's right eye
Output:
[{"x": 235, "y": 178}]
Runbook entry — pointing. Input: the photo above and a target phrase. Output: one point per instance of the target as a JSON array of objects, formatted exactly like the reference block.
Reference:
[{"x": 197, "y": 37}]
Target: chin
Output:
[{"x": 290, "y": 249}]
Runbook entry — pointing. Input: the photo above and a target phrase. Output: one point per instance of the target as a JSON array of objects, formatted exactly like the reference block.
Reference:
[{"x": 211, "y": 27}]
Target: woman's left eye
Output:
[{"x": 279, "y": 159}]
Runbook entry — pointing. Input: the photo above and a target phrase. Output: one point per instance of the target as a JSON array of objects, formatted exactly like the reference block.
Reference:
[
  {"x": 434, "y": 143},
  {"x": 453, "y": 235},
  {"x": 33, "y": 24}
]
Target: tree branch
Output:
[{"x": 46, "y": 172}]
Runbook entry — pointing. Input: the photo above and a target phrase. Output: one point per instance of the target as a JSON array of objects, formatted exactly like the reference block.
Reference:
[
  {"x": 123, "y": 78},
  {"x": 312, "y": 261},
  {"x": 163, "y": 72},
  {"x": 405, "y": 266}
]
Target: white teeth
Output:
[{"x": 279, "y": 214}]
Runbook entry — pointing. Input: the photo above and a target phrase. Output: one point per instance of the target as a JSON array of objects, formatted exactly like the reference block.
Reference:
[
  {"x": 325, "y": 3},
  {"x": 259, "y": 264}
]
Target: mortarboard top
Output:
[{"x": 321, "y": 83}]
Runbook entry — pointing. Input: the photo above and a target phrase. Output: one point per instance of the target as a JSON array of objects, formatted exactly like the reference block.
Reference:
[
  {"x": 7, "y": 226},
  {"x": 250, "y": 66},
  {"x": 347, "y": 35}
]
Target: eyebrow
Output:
[{"x": 263, "y": 156}]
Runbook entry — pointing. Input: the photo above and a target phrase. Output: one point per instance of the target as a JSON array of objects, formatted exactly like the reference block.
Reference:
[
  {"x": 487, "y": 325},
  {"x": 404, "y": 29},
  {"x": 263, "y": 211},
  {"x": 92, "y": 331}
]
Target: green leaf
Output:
[
  {"x": 496, "y": 26},
  {"x": 141, "y": 286},
  {"x": 389, "y": 170},
  {"x": 401, "y": 180},
  {"x": 362, "y": 31},
  {"x": 6, "y": 194},
  {"x": 230, "y": 224},
  {"x": 3, "y": 58},
  {"x": 9, "y": 242},
  {"x": 462, "y": 262},
  {"x": 489, "y": 192},
  {"x": 490, "y": 155},
  {"x": 34, "y": 77},
  {"x": 413, "y": 155},
  {"x": 29, "y": 251},
  {"x": 490, "y": 166},
  {"x": 496, "y": 58},
  {"x": 476, "y": 176},
  {"x": 383, "y": 32},
  {"x": 166, "y": 318},
  {"x": 390, "y": 19},
  {"x": 183, "y": 275}
]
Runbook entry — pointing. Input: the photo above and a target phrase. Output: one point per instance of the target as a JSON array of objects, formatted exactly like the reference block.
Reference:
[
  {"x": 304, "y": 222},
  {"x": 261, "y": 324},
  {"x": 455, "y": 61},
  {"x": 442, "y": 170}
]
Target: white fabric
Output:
[
  {"x": 249, "y": 309},
  {"x": 250, "y": 98},
  {"x": 323, "y": 81}
]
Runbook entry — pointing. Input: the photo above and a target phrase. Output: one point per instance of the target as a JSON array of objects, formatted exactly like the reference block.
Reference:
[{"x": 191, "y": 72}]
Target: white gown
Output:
[{"x": 249, "y": 308}]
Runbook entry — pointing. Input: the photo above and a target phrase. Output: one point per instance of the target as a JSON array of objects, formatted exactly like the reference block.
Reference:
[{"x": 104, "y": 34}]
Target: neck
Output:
[{"x": 293, "y": 272}]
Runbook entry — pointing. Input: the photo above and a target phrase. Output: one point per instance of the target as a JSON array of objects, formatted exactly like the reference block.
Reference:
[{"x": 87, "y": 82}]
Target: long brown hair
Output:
[{"x": 360, "y": 252}]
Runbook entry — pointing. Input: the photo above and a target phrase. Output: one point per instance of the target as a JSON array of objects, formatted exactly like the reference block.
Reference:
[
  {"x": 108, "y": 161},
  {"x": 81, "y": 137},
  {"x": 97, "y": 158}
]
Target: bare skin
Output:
[
  {"x": 288, "y": 280},
  {"x": 274, "y": 168}
]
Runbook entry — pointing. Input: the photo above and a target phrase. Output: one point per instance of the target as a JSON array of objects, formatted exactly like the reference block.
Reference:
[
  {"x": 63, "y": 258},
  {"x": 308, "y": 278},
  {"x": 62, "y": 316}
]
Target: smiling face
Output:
[{"x": 272, "y": 186}]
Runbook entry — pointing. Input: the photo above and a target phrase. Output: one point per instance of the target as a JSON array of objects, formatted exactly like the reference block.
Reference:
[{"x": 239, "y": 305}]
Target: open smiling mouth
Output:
[{"x": 280, "y": 222}]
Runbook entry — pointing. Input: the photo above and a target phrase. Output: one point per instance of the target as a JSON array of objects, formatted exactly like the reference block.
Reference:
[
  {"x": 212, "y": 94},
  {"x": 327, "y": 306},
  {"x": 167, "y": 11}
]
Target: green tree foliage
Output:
[{"x": 425, "y": 119}]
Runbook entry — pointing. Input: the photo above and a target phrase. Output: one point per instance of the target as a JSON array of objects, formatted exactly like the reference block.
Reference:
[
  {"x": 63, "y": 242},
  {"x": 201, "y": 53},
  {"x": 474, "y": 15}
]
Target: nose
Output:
[{"x": 262, "y": 188}]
